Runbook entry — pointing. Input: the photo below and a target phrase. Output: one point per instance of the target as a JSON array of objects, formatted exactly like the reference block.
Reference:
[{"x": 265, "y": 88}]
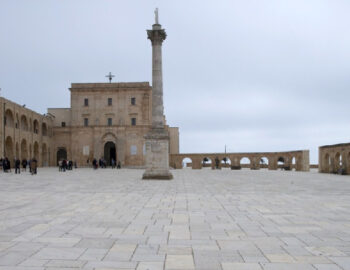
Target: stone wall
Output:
[
  {"x": 334, "y": 158},
  {"x": 298, "y": 160},
  {"x": 24, "y": 134}
]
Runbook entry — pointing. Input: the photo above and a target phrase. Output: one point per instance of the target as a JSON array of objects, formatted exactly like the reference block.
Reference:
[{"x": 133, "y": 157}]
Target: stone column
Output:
[{"x": 157, "y": 140}]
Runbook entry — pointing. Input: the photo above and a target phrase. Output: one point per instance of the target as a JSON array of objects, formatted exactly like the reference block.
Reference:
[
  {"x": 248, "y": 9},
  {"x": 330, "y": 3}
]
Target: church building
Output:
[{"x": 105, "y": 120}]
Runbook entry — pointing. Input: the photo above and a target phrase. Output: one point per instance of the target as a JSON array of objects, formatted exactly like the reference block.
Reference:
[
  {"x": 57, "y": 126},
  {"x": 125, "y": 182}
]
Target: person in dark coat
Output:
[
  {"x": 17, "y": 166},
  {"x": 64, "y": 165},
  {"x": 24, "y": 164},
  {"x": 7, "y": 165}
]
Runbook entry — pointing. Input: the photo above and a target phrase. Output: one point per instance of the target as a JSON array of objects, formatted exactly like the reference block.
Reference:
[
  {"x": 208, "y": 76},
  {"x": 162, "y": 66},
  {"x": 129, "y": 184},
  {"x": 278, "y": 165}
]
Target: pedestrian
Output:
[
  {"x": 64, "y": 165},
  {"x": 24, "y": 164},
  {"x": 113, "y": 163},
  {"x": 17, "y": 166},
  {"x": 119, "y": 166},
  {"x": 7, "y": 164},
  {"x": 94, "y": 163},
  {"x": 60, "y": 165},
  {"x": 34, "y": 166}
]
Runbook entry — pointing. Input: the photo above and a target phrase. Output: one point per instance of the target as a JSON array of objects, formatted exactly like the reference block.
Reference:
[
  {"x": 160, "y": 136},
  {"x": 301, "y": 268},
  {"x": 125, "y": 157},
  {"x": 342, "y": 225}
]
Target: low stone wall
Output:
[
  {"x": 334, "y": 158},
  {"x": 298, "y": 160}
]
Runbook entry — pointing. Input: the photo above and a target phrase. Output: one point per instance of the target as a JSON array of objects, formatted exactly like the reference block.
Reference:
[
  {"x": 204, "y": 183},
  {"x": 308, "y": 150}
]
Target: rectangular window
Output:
[
  {"x": 133, "y": 150},
  {"x": 133, "y": 101},
  {"x": 63, "y": 124},
  {"x": 86, "y": 122},
  {"x": 109, "y": 121},
  {"x": 86, "y": 102},
  {"x": 109, "y": 101},
  {"x": 133, "y": 121}
]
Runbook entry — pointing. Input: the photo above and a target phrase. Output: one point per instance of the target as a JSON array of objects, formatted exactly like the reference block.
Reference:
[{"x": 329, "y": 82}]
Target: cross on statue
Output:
[{"x": 110, "y": 77}]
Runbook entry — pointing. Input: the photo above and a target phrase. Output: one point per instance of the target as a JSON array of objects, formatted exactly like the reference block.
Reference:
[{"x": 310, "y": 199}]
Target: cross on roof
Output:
[{"x": 110, "y": 77}]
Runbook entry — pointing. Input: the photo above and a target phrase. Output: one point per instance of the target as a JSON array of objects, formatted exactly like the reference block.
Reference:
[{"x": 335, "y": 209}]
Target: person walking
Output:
[
  {"x": 17, "y": 166},
  {"x": 113, "y": 163}
]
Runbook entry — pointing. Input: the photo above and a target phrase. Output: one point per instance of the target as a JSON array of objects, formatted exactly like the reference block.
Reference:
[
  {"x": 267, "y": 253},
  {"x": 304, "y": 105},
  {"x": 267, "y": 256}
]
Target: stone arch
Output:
[
  {"x": 30, "y": 154},
  {"x": 245, "y": 162},
  {"x": 281, "y": 162},
  {"x": 110, "y": 152},
  {"x": 207, "y": 162},
  {"x": 9, "y": 119},
  {"x": 9, "y": 149},
  {"x": 17, "y": 151},
  {"x": 24, "y": 123},
  {"x": 36, "y": 126},
  {"x": 226, "y": 162},
  {"x": 24, "y": 150},
  {"x": 44, "y": 155},
  {"x": 36, "y": 151},
  {"x": 186, "y": 162},
  {"x": 30, "y": 125},
  {"x": 44, "y": 129},
  {"x": 61, "y": 154},
  {"x": 338, "y": 162},
  {"x": 264, "y": 162}
]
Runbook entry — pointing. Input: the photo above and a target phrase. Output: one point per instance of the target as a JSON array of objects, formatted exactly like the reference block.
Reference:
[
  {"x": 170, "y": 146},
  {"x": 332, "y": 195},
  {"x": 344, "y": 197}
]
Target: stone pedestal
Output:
[{"x": 157, "y": 155}]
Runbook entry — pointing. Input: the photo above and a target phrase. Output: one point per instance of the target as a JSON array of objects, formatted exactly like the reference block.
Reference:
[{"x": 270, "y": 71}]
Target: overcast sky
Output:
[{"x": 254, "y": 75}]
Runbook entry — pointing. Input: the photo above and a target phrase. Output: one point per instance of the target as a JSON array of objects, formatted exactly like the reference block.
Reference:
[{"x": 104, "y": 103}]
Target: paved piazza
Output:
[{"x": 203, "y": 219}]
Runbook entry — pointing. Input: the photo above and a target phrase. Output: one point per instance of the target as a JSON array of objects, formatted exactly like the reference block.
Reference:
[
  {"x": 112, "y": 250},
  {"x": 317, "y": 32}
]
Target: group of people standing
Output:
[
  {"x": 103, "y": 164},
  {"x": 5, "y": 164},
  {"x": 64, "y": 165}
]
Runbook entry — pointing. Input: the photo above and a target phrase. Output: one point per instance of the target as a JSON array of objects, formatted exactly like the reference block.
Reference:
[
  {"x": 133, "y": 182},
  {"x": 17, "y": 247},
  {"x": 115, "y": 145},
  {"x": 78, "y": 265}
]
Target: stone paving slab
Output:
[{"x": 203, "y": 220}]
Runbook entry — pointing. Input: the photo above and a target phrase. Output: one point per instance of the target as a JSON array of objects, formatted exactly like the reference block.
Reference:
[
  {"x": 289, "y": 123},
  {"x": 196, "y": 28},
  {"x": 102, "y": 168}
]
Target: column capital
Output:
[{"x": 157, "y": 35}]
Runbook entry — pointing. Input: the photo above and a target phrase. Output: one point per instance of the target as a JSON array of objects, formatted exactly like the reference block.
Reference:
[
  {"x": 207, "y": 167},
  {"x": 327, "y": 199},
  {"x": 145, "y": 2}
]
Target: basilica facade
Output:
[{"x": 105, "y": 120}]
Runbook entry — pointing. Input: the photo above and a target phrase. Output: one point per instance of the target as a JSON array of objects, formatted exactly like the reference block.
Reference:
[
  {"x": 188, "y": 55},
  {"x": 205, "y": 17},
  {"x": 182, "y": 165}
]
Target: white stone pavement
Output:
[{"x": 110, "y": 219}]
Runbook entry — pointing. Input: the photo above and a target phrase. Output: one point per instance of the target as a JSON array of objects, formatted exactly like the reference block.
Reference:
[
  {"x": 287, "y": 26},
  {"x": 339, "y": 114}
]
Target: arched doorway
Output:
[
  {"x": 326, "y": 163},
  {"x": 281, "y": 162},
  {"x": 9, "y": 149},
  {"x": 226, "y": 162},
  {"x": 264, "y": 163},
  {"x": 110, "y": 152},
  {"x": 206, "y": 162},
  {"x": 245, "y": 162},
  {"x": 61, "y": 155},
  {"x": 17, "y": 151},
  {"x": 9, "y": 119},
  {"x": 36, "y": 150},
  {"x": 186, "y": 163},
  {"x": 24, "y": 150}
]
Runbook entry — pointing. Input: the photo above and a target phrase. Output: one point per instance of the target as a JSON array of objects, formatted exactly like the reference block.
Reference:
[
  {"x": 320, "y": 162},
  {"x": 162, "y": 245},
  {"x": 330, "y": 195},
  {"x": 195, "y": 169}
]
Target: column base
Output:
[
  {"x": 157, "y": 155},
  {"x": 157, "y": 175}
]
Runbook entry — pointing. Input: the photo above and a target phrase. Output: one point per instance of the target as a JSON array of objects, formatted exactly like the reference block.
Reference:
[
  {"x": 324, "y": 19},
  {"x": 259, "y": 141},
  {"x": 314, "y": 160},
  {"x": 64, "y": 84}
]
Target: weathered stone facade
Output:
[
  {"x": 334, "y": 158},
  {"x": 298, "y": 160},
  {"x": 25, "y": 134},
  {"x": 118, "y": 117},
  {"x": 107, "y": 120}
]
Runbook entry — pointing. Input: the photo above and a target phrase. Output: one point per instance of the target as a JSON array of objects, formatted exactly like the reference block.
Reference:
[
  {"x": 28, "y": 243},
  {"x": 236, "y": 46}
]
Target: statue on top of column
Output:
[{"x": 156, "y": 16}]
